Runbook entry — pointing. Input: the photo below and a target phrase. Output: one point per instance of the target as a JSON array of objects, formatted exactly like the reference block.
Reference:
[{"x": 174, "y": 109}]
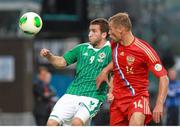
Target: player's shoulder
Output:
[
  {"x": 112, "y": 44},
  {"x": 107, "y": 44},
  {"x": 85, "y": 44},
  {"x": 143, "y": 45},
  {"x": 146, "y": 49}
]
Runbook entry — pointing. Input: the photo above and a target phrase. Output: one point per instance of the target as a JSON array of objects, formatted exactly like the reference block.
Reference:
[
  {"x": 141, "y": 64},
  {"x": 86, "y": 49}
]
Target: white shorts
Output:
[{"x": 70, "y": 106}]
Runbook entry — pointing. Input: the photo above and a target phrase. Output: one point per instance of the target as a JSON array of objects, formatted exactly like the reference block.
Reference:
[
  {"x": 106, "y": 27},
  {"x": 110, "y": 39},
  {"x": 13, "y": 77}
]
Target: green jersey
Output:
[{"x": 90, "y": 62}]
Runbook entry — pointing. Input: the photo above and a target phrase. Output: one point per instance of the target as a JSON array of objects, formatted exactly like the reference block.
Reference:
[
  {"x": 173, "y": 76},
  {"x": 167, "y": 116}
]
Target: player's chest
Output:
[
  {"x": 94, "y": 57},
  {"x": 128, "y": 59}
]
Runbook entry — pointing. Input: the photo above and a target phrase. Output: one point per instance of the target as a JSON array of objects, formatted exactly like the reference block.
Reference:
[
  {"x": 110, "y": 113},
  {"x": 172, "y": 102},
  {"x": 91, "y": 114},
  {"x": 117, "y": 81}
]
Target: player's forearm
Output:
[
  {"x": 56, "y": 61},
  {"x": 111, "y": 85},
  {"x": 108, "y": 68},
  {"x": 163, "y": 90}
]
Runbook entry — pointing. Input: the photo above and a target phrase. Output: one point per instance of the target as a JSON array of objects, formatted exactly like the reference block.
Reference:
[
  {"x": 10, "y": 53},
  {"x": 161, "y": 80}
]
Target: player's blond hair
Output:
[{"x": 121, "y": 19}]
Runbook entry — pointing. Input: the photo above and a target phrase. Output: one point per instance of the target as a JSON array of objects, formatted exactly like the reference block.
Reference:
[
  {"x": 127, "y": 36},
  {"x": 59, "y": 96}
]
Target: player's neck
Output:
[
  {"x": 100, "y": 44},
  {"x": 128, "y": 39}
]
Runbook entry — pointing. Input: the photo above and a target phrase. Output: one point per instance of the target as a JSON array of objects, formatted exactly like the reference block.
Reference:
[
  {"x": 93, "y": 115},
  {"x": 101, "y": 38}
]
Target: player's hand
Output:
[
  {"x": 44, "y": 52},
  {"x": 158, "y": 113},
  {"x": 101, "y": 78},
  {"x": 110, "y": 97}
]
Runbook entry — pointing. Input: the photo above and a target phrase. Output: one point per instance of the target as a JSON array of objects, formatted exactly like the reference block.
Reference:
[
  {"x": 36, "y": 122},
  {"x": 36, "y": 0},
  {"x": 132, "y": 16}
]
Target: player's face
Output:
[
  {"x": 95, "y": 35},
  {"x": 172, "y": 74},
  {"x": 115, "y": 33},
  {"x": 42, "y": 75}
]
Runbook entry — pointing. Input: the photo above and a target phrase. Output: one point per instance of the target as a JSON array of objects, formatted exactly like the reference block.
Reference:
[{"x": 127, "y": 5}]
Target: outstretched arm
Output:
[
  {"x": 103, "y": 76},
  {"x": 163, "y": 90},
  {"x": 57, "y": 61}
]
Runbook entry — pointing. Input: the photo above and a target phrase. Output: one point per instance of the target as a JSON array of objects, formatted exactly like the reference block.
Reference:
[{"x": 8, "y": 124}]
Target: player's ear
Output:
[{"x": 104, "y": 34}]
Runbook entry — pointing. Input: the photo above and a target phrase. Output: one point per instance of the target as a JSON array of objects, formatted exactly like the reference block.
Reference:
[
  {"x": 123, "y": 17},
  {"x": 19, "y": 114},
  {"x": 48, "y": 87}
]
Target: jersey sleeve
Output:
[
  {"x": 71, "y": 56},
  {"x": 154, "y": 63}
]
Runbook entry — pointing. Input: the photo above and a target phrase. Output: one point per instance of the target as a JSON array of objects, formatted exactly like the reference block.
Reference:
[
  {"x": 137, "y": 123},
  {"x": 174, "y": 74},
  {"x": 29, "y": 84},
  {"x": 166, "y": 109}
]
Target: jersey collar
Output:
[{"x": 95, "y": 49}]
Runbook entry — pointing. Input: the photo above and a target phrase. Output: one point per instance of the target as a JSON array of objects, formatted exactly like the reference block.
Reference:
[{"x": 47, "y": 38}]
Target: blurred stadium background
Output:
[{"x": 65, "y": 24}]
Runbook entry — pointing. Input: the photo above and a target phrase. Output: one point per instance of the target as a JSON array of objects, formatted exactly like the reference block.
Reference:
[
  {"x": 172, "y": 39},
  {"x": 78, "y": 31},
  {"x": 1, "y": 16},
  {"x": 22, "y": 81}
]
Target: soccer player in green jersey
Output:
[{"x": 82, "y": 99}]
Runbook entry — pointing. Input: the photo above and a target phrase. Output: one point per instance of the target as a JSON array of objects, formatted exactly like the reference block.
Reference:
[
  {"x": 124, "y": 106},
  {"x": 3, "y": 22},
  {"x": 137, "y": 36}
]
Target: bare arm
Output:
[
  {"x": 108, "y": 68},
  {"x": 110, "y": 96},
  {"x": 162, "y": 93},
  {"x": 163, "y": 89},
  {"x": 57, "y": 61},
  {"x": 110, "y": 85},
  {"x": 103, "y": 76}
]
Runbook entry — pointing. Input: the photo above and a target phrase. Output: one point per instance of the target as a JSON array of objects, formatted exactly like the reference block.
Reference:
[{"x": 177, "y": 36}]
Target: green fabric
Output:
[{"x": 90, "y": 62}]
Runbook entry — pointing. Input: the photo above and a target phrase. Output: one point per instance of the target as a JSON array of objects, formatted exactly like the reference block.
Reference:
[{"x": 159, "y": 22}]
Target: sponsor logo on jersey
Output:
[
  {"x": 130, "y": 60},
  {"x": 85, "y": 54},
  {"x": 158, "y": 67}
]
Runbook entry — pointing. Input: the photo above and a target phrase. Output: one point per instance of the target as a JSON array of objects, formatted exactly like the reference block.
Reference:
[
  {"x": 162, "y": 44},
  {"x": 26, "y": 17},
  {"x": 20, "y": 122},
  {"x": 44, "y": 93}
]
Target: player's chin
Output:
[
  {"x": 113, "y": 38},
  {"x": 92, "y": 41}
]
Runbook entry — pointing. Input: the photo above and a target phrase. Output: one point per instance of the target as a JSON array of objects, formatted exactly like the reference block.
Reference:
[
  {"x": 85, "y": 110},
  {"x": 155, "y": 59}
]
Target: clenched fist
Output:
[{"x": 44, "y": 52}]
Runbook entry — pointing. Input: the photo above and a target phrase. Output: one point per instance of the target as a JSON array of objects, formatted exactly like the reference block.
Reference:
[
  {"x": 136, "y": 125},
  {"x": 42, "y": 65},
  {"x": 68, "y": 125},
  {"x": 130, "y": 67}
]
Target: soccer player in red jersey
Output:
[{"x": 133, "y": 58}]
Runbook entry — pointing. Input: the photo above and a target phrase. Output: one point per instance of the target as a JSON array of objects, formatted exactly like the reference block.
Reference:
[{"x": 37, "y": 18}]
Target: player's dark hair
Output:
[
  {"x": 42, "y": 68},
  {"x": 103, "y": 23}
]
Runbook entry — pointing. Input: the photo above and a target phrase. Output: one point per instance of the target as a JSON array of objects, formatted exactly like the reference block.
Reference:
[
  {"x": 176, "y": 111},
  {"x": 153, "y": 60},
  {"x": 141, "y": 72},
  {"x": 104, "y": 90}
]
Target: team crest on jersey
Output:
[
  {"x": 130, "y": 60},
  {"x": 101, "y": 57},
  {"x": 122, "y": 53},
  {"x": 158, "y": 67}
]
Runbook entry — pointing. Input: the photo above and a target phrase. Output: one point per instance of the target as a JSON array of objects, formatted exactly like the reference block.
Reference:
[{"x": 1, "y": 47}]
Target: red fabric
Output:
[
  {"x": 135, "y": 61},
  {"x": 120, "y": 114}
]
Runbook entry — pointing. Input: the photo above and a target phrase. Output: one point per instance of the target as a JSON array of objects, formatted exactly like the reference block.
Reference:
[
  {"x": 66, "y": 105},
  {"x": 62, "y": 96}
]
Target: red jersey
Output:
[{"x": 131, "y": 65}]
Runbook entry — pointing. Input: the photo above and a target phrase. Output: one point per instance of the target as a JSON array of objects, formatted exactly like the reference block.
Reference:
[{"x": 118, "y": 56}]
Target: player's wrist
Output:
[
  {"x": 49, "y": 56},
  {"x": 159, "y": 102},
  {"x": 105, "y": 71}
]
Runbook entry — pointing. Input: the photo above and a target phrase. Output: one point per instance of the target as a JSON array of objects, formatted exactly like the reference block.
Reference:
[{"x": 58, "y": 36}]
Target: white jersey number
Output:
[{"x": 92, "y": 59}]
